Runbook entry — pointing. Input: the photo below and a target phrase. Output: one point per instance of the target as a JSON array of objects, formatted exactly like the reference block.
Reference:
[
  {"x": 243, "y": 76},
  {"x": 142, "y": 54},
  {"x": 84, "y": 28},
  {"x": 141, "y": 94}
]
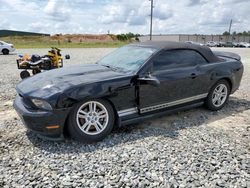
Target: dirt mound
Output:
[{"x": 83, "y": 38}]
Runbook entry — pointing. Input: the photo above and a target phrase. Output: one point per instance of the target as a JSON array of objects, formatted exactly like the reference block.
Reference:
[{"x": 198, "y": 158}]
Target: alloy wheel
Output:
[
  {"x": 219, "y": 96},
  {"x": 92, "y": 118}
]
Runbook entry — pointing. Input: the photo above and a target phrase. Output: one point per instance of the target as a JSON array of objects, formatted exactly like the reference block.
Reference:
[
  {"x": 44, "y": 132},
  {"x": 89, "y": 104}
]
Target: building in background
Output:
[
  {"x": 197, "y": 38},
  {"x": 7, "y": 33}
]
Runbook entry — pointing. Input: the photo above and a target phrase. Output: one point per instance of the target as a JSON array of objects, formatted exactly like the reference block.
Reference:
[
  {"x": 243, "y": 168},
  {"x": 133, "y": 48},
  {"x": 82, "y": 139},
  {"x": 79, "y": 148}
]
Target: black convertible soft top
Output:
[{"x": 169, "y": 45}]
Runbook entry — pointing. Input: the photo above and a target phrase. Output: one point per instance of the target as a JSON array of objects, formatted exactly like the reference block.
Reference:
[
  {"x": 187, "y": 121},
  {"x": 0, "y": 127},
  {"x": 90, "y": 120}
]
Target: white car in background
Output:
[
  {"x": 192, "y": 42},
  {"x": 244, "y": 44},
  {"x": 212, "y": 44},
  {"x": 6, "y": 48}
]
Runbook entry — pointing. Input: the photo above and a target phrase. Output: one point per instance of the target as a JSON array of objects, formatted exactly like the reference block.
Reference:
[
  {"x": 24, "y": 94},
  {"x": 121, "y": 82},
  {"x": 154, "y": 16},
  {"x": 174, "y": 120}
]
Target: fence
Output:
[{"x": 197, "y": 38}]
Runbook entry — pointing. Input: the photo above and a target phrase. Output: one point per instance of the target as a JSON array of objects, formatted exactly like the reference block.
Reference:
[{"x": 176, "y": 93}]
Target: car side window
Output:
[
  {"x": 1, "y": 43},
  {"x": 172, "y": 59}
]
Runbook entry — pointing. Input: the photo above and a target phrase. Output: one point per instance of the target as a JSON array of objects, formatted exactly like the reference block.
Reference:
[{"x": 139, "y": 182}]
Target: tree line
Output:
[
  {"x": 128, "y": 36},
  {"x": 244, "y": 33}
]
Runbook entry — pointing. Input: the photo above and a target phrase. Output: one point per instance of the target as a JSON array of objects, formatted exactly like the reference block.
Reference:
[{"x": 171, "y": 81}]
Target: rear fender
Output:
[{"x": 227, "y": 55}]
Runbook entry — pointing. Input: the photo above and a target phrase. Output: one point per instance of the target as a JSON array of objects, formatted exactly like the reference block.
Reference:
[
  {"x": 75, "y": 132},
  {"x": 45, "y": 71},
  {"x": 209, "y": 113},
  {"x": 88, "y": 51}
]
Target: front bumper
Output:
[
  {"x": 12, "y": 49},
  {"x": 38, "y": 121}
]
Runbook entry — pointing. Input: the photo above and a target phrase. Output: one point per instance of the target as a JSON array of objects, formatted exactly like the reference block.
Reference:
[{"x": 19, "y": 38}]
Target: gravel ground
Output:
[{"x": 195, "y": 148}]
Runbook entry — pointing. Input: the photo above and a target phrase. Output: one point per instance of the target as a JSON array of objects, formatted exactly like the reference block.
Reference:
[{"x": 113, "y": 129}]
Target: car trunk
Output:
[{"x": 227, "y": 55}]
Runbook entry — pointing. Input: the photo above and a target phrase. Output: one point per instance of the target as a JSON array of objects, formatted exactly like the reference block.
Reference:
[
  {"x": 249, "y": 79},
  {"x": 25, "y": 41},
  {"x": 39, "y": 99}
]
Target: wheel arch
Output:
[
  {"x": 117, "y": 118},
  {"x": 229, "y": 82},
  {"x": 5, "y": 49},
  {"x": 226, "y": 78}
]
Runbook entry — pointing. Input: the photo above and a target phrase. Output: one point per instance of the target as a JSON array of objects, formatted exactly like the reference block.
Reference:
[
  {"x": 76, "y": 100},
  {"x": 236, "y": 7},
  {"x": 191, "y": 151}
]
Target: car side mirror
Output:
[{"x": 149, "y": 79}]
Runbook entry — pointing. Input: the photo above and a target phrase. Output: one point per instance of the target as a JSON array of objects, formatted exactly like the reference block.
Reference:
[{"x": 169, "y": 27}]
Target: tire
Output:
[
  {"x": 24, "y": 74},
  {"x": 218, "y": 95},
  {"x": 5, "y": 51},
  {"x": 36, "y": 71},
  {"x": 82, "y": 122}
]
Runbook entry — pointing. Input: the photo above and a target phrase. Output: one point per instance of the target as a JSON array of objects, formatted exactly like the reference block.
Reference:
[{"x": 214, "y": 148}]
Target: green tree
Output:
[
  {"x": 245, "y": 33},
  {"x": 128, "y": 36},
  {"x": 226, "y": 33}
]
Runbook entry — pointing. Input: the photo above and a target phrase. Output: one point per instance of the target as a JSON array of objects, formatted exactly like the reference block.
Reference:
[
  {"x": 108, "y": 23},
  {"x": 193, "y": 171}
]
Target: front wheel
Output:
[
  {"x": 218, "y": 95},
  {"x": 91, "y": 121}
]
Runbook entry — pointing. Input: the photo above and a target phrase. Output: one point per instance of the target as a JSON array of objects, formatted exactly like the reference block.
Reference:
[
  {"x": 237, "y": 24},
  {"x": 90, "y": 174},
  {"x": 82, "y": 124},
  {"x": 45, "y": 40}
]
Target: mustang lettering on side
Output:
[{"x": 134, "y": 82}]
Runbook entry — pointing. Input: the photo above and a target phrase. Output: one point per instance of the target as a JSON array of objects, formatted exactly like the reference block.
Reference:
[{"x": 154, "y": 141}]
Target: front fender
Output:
[{"x": 107, "y": 89}]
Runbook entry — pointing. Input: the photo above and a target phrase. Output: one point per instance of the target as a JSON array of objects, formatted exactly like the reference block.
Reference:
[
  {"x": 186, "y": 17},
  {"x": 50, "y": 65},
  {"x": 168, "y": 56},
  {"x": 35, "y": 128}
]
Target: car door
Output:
[{"x": 181, "y": 80}]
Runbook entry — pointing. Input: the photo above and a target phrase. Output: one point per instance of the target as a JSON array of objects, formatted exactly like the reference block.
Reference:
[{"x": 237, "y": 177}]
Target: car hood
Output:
[
  {"x": 7, "y": 44},
  {"x": 59, "y": 80}
]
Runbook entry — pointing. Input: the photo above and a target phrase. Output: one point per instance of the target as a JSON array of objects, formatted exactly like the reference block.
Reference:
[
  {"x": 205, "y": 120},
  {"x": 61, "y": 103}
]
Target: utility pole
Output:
[
  {"x": 151, "y": 18},
  {"x": 231, "y": 21}
]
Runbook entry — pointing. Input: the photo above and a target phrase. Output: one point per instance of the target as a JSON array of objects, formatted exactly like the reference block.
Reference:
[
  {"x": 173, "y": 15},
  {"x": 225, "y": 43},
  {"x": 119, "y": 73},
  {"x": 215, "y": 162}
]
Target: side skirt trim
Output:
[
  {"x": 159, "y": 114},
  {"x": 134, "y": 110},
  {"x": 128, "y": 111},
  {"x": 174, "y": 103}
]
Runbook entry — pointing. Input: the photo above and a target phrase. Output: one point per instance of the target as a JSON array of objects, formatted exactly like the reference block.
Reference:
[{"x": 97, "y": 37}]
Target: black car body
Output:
[{"x": 175, "y": 76}]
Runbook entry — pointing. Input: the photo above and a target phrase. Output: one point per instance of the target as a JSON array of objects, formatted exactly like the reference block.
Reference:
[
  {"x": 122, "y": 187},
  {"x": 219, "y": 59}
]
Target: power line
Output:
[{"x": 151, "y": 19}]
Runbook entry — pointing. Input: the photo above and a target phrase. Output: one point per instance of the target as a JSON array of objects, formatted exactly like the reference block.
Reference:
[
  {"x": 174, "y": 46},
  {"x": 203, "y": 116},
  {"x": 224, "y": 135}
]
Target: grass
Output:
[{"x": 45, "y": 42}]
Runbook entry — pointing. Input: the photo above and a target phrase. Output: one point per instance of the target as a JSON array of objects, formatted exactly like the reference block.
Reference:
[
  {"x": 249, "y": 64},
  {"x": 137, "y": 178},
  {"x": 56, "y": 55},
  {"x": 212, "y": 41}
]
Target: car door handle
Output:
[{"x": 193, "y": 75}]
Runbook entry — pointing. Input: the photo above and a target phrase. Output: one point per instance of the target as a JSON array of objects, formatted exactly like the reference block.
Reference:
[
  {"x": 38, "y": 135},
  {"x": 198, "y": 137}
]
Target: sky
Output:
[{"x": 122, "y": 16}]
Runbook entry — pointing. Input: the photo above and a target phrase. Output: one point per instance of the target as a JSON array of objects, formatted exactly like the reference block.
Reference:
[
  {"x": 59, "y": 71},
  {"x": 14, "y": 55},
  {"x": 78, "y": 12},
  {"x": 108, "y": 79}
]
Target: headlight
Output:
[{"x": 41, "y": 104}]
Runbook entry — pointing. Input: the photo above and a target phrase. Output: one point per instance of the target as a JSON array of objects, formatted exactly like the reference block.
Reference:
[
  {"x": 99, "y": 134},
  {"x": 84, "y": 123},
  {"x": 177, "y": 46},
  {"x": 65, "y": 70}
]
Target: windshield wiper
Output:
[
  {"x": 106, "y": 66},
  {"x": 119, "y": 69},
  {"x": 110, "y": 67}
]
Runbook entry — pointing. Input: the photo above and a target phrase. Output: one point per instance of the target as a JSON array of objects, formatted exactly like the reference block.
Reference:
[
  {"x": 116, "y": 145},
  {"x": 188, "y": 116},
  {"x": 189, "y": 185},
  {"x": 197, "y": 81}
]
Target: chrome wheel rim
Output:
[
  {"x": 219, "y": 95},
  {"x": 92, "y": 118}
]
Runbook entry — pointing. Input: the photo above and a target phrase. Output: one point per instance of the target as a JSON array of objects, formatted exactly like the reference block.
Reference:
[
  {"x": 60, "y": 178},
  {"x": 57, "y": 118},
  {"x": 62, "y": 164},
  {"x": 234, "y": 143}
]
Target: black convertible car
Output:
[{"x": 132, "y": 83}]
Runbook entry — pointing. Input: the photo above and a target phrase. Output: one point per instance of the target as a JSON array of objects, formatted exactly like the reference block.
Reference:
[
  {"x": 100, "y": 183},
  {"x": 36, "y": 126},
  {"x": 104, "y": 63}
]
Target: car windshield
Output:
[{"x": 128, "y": 58}]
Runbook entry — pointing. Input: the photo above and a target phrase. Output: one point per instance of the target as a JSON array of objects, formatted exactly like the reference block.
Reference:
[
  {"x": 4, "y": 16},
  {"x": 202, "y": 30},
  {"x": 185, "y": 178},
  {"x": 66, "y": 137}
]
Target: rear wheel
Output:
[
  {"x": 218, "y": 95},
  {"x": 5, "y": 51},
  {"x": 91, "y": 121},
  {"x": 24, "y": 74}
]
